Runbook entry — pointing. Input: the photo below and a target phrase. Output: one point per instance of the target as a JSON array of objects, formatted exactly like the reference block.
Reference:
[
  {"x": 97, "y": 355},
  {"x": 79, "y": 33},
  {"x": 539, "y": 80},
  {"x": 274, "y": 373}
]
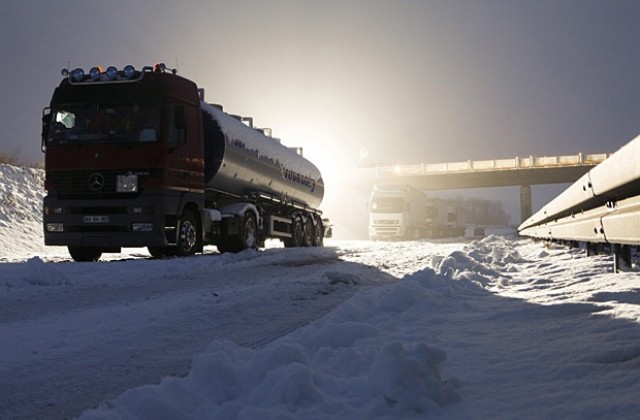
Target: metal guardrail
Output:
[
  {"x": 602, "y": 207},
  {"x": 380, "y": 171}
]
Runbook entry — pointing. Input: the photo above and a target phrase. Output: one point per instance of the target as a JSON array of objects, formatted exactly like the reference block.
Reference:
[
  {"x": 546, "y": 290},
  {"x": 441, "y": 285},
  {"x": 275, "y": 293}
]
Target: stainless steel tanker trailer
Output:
[{"x": 137, "y": 158}]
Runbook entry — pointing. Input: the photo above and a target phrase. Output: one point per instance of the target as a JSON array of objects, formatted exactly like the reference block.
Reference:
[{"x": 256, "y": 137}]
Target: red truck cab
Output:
[{"x": 124, "y": 160}]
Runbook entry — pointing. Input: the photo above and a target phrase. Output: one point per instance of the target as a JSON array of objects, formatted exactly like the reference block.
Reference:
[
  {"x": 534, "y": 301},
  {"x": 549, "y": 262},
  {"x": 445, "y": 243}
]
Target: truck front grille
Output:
[
  {"x": 386, "y": 222},
  {"x": 90, "y": 184}
]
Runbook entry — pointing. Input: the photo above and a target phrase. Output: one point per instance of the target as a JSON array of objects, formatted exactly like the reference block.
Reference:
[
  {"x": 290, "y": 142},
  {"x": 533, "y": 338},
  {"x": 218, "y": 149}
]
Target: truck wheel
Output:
[
  {"x": 296, "y": 234},
  {"x": 248, "y": 238},
  {"x": 307, "y": 232},
  {"x": 249, "y": 233},
  {"x": 84, "y": 254},
  {"x": 188, "y": 236},
  {"x": 318, "y": 234}
]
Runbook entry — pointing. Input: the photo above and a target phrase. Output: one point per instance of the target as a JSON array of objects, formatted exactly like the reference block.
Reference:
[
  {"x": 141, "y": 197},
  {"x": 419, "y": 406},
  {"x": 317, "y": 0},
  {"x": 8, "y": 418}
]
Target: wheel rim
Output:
[
  {"x": 188, "y": 236},
  {"x": 250, "y": 233}
]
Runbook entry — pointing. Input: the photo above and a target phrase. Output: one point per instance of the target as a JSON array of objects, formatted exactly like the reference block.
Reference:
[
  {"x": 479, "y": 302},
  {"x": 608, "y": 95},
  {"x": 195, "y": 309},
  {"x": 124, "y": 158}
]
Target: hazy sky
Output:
[{"x": 410, "y": 80}]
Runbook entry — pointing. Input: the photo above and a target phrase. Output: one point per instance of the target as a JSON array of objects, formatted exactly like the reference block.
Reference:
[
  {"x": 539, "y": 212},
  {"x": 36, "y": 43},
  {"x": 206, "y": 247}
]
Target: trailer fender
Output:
[
  {"x": 239, "y": 210},
  {"x": 233, "y": 216},
  {"x": 211, "y": 220}
]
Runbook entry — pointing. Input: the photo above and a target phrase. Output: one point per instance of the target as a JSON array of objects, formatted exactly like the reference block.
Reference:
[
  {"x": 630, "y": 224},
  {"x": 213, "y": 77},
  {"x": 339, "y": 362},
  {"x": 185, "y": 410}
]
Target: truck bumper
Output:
[
  {"x": 386, "y": 232},
  {"x": 112, "y": 223}
]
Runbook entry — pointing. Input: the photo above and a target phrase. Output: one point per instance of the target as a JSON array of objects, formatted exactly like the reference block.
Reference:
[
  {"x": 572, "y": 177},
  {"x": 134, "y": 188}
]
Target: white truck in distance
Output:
[
  {"x": 403, "y": 212},
  {"x": 397, "y": 212}
]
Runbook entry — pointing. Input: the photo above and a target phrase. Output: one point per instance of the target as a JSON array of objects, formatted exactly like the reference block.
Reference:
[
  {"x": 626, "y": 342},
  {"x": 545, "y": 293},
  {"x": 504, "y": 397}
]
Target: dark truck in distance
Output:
[{"x": 137, "y": 158}]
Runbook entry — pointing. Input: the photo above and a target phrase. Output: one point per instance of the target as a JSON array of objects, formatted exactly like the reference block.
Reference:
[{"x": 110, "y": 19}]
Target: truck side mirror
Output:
[{"x": 46, "y": 118}]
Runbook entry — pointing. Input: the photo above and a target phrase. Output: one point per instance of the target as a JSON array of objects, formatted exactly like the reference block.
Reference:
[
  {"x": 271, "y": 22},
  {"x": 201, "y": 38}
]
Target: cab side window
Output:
[{"x": 177, "y": 125}]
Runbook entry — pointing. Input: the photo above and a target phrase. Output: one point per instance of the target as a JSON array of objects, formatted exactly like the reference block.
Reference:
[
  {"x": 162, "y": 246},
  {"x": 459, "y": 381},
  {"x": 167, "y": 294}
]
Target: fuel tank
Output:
[{"x": 240, "y": 160}]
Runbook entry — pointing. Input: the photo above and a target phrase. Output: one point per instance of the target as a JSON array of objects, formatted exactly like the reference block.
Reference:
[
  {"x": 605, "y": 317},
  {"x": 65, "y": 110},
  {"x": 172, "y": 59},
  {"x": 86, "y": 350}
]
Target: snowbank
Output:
[
  {"x": 21, "y": 193},
  {"x": 464, "y": 339},
  {"x": 346, "y": 365}
]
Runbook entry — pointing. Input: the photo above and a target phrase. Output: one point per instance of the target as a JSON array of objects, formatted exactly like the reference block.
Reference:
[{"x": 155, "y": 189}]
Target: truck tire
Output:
[
  {"x": 318, "y": 233},
  {"x": 296, "y": 234},
  {"x": 84, "y": 253},
  {"x": 188, "y": 241},
  {"x": 248, "y": 238},
  {"x": 249, "y": 233},
  {"x": 307, "y": 231}
]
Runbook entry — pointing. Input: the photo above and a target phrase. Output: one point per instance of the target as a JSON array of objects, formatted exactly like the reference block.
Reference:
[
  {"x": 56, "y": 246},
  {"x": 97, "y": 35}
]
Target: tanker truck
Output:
[{"x": 137, "y": 158}]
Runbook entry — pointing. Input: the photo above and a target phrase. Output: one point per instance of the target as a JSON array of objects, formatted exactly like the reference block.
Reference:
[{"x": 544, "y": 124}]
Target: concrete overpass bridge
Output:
[{"x": 522, "y": 172}]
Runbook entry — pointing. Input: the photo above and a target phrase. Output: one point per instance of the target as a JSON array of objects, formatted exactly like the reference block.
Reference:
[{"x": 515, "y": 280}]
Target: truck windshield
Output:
[
  {"x": 387, "y": 205},
  {"x": 100, "y": 123}
]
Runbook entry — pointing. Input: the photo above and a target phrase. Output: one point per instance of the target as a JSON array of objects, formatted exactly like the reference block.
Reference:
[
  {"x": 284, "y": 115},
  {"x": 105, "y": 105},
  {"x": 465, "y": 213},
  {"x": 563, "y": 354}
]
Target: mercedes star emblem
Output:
[{"x": 96, "y": 181}]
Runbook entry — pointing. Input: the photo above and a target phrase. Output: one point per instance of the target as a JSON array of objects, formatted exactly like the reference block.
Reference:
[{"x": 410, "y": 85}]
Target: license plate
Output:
[{"x": 95, "y": 219}]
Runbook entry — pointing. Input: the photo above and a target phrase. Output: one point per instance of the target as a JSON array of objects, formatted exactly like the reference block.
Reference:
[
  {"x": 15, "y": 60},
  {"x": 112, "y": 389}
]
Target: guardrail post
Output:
[
  {"x": 525, "y": 202},
  {"x": 621, "y": 257}
]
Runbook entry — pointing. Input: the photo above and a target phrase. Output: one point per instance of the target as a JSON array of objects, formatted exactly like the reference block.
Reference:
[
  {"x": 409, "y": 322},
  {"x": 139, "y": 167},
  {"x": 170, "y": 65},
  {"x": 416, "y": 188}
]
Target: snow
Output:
[
  {"x": 21, "y": 192},
  {"x": 496, "y": 328}
]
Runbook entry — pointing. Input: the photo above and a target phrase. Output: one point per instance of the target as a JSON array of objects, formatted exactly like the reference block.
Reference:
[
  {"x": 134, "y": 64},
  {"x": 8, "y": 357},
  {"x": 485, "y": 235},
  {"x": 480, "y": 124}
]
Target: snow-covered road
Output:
[{"x": 77, "y": 334}]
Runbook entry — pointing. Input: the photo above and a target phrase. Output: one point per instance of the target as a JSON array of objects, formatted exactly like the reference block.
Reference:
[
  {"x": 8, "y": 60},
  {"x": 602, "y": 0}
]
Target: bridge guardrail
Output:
[{"x": 383, "y": 171}]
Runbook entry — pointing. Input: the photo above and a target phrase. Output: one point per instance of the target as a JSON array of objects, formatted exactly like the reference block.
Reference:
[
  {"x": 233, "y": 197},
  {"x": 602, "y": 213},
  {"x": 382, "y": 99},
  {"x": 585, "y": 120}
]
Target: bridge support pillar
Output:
[{"x": 525, "y": 202}]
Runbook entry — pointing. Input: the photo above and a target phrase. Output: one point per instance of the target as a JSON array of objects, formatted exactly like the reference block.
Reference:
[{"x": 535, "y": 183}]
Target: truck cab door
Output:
[
  {"x": 185, "y": 144},
  {"x": 178, "y": 152}
]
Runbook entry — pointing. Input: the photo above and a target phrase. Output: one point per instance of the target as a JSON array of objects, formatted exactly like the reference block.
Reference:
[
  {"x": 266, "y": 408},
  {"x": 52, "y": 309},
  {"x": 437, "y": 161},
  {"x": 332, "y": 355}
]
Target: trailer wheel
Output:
[
  {"x": 84, "y": 254},
  {"x": 247, "y": 239},
  {"x": 249, "y": 233},
  {"x": 318, "y": 234},
  {"x": 188, "y": 235},
  {"x": 296, "y": 234},
  {"x": 307, "y": 232}
]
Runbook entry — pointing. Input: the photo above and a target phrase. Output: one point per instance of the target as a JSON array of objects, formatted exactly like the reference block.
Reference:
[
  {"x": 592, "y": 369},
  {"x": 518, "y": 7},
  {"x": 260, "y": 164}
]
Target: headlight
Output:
[
  {"x": 112, "y": 73},
  {"x": 142, "y": 227},
  {"x": 52, "y": 210},
  {"x": 55, "y": 227},
  {"x": 129, "y": 71},
  {"x": 77, "y": 75},
  {"x": 127, "y": 183},
  {"x": 94, "y": 73}
]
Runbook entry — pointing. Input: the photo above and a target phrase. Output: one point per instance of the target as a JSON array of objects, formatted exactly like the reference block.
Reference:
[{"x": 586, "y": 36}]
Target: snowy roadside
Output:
[
  {"x": 460, "y": 341},
  {"x": 21, "y": 192}
]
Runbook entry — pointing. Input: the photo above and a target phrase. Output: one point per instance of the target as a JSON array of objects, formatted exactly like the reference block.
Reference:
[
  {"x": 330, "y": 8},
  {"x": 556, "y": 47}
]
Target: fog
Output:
[{"x": 410, "y": 81}]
